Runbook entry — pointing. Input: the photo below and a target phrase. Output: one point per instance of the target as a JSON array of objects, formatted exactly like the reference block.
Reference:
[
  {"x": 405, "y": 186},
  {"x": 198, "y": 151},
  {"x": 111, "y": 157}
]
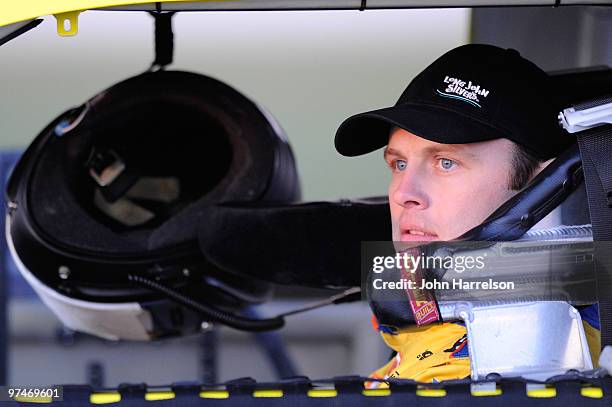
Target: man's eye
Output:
[
  {"x": 399, "y": 165},
  {"x": 446, "y": 164}
]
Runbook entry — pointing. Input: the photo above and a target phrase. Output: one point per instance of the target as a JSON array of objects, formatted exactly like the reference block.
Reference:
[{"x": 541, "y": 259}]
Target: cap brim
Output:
[{"x": 366, "y": 132}]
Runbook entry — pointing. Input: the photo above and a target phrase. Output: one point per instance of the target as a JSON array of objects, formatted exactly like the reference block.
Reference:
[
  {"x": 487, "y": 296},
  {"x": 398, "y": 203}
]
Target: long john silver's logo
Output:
[{"x": 466, "y": 91}]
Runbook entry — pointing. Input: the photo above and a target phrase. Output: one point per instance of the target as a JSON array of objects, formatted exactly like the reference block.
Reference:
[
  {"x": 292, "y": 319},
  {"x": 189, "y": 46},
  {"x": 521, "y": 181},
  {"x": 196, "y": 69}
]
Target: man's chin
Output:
[{"x": 408, "y": 241}]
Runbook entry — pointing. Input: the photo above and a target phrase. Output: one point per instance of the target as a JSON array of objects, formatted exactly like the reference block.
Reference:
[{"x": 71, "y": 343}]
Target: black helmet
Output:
[{"x": 104, "y": 206}]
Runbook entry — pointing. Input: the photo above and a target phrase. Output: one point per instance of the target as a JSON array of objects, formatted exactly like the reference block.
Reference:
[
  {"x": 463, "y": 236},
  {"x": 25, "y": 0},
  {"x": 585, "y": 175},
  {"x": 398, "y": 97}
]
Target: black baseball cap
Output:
[{"x": 472, "y": 93}]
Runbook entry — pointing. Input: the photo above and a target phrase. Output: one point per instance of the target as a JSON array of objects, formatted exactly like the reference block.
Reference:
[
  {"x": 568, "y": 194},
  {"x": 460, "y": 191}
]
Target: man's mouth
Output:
[{"x": 417, "y": 235}]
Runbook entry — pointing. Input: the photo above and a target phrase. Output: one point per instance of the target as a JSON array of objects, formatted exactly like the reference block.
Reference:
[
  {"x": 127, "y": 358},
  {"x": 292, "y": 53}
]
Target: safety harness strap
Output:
[{"x": 596, "y": 151}]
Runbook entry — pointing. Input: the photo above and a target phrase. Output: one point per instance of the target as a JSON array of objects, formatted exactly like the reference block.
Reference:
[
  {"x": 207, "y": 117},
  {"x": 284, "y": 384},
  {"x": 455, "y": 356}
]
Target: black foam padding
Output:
[{"x": 314, "y": 244}]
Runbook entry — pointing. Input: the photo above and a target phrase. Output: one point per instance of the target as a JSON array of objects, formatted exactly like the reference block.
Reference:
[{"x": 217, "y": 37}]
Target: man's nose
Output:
[{"x": 408, "y": 192}]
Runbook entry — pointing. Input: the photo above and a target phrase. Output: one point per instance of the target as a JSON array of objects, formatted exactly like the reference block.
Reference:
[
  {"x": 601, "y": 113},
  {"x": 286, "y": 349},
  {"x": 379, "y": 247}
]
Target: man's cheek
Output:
[
  {"x": 457, "y": 216},
  {"x": 395, "y": 229}
]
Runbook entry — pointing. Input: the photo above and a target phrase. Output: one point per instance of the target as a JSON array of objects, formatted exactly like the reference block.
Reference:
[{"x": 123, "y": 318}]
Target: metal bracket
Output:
[{"x": 68, "y": 23}]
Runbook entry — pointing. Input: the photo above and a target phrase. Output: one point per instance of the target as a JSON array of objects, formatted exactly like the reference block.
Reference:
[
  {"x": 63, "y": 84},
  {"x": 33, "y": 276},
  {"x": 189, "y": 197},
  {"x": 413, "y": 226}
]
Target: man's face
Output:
[{"x": 440, "y": 191}]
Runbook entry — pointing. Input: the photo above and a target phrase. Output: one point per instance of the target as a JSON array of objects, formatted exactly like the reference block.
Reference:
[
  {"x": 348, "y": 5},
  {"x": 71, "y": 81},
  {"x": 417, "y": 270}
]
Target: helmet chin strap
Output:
[
  {"x": 148, "y": 199},
  {"x": 126, "y": 196}
]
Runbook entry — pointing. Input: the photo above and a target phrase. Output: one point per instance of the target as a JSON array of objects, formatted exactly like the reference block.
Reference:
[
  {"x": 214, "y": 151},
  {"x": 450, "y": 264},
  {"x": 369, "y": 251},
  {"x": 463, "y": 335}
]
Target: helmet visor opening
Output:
[{"x": 144, "y": 168}]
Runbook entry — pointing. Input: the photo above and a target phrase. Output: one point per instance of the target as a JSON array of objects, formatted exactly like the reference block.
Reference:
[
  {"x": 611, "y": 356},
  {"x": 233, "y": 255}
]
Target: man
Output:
[{"x": 466, "y": 135}]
